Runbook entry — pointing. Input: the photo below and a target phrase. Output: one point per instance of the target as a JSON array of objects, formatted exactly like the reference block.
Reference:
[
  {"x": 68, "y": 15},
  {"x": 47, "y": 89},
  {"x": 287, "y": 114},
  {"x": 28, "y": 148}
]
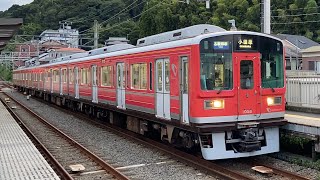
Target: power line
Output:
[
  {"x": 117, "y": 14},
  {"x": 302, "y": 22},
  {"x": 134, "y": 16},
  {"x": 296, "y": 15},
  {"x": 296, "y": 9}
]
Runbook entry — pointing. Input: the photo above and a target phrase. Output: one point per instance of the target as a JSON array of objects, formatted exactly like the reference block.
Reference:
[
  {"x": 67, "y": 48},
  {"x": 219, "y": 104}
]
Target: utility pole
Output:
[
  {"x": 96, "y": 33},
  {"x": 266, "y": 16}
]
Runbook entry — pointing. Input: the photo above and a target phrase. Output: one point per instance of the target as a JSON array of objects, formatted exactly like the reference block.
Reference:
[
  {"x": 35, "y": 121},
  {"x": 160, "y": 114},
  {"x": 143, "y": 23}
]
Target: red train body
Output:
[{"x": 222, "y": 91}]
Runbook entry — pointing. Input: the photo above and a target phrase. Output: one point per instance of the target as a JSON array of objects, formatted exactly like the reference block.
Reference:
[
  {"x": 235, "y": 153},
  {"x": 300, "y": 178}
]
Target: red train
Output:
[{"x": 201, "y": 86}]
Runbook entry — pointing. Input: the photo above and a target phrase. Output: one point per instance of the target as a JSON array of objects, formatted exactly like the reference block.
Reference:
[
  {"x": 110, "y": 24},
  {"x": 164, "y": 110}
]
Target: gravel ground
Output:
[
  {"x": 140, "y": 162},
  {"x": 303, "y": 171},
  {"x": 242, "y": 166},
  {"x": 143, "y": 162},
  {"x": 60, "y": 148}
]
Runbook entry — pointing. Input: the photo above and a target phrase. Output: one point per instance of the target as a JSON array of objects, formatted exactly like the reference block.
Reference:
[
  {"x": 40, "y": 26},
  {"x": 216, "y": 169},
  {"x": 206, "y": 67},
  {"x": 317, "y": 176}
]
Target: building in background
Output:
[
  {"x": 294, "y": 45},
  {"x": 35, "y": 48},
  {"x": 116, "y": 40},
  {"x": 311, "y": 59},
  {"x": 65, "y": 34}
]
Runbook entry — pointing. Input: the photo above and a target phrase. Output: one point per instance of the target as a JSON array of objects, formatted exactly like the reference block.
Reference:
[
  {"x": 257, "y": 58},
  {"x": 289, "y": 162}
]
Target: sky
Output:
[{"x": 6, "y": 4}]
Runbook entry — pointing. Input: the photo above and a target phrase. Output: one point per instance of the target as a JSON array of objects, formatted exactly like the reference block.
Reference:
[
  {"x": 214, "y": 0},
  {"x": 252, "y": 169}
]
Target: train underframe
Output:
[{"x": 247, "y": 140}]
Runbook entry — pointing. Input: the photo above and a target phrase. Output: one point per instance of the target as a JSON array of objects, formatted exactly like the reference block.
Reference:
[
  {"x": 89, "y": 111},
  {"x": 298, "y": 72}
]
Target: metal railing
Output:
[{"x": 303, "y": 90}]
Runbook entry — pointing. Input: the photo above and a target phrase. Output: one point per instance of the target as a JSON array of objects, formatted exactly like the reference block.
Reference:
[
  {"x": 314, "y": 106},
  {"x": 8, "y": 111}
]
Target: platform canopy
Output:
[{"x": 8, "y": 27}]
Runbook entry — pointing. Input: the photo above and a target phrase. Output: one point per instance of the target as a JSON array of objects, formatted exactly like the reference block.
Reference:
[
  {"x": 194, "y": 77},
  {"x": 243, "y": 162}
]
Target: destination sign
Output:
[
  {"x": 221, "y": 45},
  {"x": 245, "y": 43}
]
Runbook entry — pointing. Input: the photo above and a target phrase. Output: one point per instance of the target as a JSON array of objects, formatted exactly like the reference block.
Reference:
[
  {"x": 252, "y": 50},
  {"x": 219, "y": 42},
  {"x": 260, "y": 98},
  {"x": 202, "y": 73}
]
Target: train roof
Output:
[{"x": 165, "y": 45}]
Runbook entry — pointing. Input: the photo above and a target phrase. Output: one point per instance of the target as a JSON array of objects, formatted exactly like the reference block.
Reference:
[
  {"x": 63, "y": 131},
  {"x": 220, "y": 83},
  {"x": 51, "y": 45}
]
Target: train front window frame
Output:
[
  {"x": 272, "y": 63},
  {"x": 216, "y": 65}
]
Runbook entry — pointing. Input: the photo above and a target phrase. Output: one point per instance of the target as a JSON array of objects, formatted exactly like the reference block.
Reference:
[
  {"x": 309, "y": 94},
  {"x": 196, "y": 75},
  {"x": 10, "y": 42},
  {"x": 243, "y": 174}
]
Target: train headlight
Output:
[
  {"x": 270, "y": 101},
  {"x": 214, "y": 104},
  {"x": 274, "y": 101}
]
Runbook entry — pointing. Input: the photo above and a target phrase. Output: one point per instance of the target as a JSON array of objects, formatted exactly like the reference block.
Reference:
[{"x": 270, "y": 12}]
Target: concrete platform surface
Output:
[
  {"x": 19, "y": 158},
  {"x": 308, "y": 119}
]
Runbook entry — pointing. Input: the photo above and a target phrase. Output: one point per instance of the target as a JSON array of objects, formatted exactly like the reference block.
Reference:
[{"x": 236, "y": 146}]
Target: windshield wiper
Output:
[
  {"x": 220, "y": 90},
  {"x": 270, "y": 86}
]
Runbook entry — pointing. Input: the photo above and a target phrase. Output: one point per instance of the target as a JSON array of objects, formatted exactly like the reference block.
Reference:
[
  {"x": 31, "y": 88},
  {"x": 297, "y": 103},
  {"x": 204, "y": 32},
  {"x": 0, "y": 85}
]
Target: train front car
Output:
[{"x": 238, "y": 94}]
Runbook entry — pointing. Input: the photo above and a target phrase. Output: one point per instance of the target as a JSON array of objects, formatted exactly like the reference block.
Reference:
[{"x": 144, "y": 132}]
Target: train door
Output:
[
  {"x": 184, "y": 90},
  {"x": 94, "y": 84},
  {"x": 249, "y": 100},
  {"x": 60, "y": 81},
  {"x": 163, "y": 88},
  {"x": 121, "y": 96},
  {"x": 76, "y": 82}
]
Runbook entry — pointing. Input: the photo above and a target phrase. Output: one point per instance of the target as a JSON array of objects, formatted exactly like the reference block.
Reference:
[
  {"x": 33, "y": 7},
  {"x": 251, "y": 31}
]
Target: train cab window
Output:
[
  {"x": 246, "y": 74},
  {"x": 216, "y": 71},
  {"x": 106, "y": 76},
  {"x": 272, "y": 74},
  {"x": 216, "y": 63},
  {"x": 139, "y": 76}
]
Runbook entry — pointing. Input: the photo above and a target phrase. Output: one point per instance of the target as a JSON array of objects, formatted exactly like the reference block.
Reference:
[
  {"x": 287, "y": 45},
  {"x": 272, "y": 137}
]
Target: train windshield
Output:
[
  {"x": 216, "y": 65},
  {"x": 271, "y": 63}
]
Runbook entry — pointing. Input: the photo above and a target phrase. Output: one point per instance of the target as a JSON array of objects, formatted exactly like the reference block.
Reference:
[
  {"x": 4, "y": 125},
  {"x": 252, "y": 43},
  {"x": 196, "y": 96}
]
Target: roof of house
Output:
[
  {"x": 70, "y": 50},
  {"x": 312, "y": 49},
  {"x": 297, "y": 40},
  {"x": 8, "y": 27}
]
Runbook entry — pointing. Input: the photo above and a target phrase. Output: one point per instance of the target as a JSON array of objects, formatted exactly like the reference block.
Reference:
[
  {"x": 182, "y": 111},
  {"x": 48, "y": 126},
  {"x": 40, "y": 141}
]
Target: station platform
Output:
[
  {"x": 19, "y": 158},
  {"x": 305, "y": 123}
]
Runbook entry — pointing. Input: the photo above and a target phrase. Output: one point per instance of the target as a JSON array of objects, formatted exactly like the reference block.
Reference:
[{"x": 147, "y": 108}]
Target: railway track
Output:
[
  {"x": 67, "y": 155},
  {"x": 191, "y": 160},
  {"x": 280, "y": 172}
]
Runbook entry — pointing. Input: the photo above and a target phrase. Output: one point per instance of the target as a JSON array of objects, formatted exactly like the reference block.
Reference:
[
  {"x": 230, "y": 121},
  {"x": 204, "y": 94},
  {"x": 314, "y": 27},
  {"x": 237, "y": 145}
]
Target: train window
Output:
[
  {"x": 272, "y": 74},
  {"x": 106, "y": 76},
  {"x": 150, "y": 76},
  {"x": 64, "y": 75},
  {"x": 55, "y": 76},
  {"x": 84, "y": 76},
  {"x": 167, "y": 75},
  {"x": 216, "y": 71},
  {"x": 159, "y": 72},
  {"x": 246, "y": 74},
  {"x": 139, "y": 76},
  {"x": 70, "y": 76}
]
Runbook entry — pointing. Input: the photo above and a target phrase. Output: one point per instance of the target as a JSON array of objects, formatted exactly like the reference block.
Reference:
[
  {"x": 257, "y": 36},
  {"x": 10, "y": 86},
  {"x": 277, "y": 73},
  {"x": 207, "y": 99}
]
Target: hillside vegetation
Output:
[{"x": 148, "y": 17}]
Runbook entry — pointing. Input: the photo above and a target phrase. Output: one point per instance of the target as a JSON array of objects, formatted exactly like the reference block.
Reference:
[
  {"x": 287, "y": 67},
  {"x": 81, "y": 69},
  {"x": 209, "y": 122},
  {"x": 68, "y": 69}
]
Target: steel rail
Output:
[
  {"x": 56, "y": 165},
  {"x": 106, "y": 166},
  {"x": 189, "y": 159},
  {"x": 281, "y": 172}
]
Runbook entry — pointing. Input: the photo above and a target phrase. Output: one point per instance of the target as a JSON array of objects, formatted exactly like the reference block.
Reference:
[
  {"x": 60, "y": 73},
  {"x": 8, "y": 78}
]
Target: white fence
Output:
[{"x": 303, "y": 91}]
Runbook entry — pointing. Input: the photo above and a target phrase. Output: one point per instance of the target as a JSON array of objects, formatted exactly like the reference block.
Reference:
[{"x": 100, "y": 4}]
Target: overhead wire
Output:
[
  {"x": 296, "y": 9},
  {"x": 300, "y": 22},
  {"x": 116, "y": 25},
  {"x": 296, "y": 15},
  {"x": 114, "y": 16}
]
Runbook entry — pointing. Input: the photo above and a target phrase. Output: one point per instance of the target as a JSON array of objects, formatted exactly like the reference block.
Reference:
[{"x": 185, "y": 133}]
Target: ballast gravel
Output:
[{"x": 138, "y": 161}]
